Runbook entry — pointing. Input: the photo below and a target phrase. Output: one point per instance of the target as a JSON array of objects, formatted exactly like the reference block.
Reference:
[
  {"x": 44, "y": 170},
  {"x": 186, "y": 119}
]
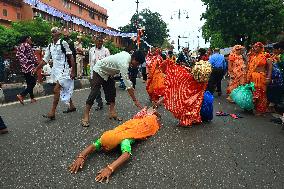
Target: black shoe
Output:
[
  {"x": 3, "y": 131},
  {"x": 276, "y": 120}
]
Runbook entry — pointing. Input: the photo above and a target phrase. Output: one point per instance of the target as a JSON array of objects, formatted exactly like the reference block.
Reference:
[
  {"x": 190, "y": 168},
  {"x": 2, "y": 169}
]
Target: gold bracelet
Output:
[
  {"x": 81, "y": 156},
  {"x": 108, "y": 166}
]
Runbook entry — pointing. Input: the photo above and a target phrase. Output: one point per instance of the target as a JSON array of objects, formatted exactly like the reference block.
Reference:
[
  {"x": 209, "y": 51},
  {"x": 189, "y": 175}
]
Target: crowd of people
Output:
[{"x": 185, "y": 86}]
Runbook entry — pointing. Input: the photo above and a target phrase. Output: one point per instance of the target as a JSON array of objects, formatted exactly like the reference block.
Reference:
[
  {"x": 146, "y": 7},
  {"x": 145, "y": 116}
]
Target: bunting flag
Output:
[{"x": 56, "y": 13}]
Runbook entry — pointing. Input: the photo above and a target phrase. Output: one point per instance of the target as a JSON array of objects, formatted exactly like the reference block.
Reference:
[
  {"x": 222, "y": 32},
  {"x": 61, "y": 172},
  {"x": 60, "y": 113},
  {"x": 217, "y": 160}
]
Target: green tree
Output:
[
  {"x": 8, "y": 39},
  {"x": 111, "y": 47},
  {"x": 242, "y": 21},
  {"x": 156, "y": 31},
  {"x": 166, "y": 45},
  {"x": 38, "y": 29}
]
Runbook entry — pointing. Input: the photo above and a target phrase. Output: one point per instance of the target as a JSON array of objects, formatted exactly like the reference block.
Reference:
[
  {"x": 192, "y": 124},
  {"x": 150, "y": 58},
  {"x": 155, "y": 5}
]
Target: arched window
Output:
[{"x": 5, "y": 12}]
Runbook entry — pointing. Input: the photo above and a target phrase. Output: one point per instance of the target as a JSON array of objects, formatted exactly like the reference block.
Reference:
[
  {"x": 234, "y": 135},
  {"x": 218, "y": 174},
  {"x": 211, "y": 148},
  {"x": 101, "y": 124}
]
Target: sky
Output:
[{"x": 121, "y": 11}]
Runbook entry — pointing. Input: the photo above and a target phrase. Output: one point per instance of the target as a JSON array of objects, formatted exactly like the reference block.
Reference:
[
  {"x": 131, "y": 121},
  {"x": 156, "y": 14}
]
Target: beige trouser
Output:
[{"x": 80, "y": 64}]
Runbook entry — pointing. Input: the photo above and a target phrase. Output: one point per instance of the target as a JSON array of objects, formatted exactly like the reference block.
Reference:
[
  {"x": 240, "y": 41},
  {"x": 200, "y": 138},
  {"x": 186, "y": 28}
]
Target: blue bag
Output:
[{"x": 207, "y": 107}]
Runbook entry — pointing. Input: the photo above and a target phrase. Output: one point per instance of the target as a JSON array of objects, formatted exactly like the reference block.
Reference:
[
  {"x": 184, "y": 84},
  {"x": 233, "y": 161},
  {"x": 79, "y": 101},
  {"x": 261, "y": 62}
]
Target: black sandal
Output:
[
  {"x": 49, "y": 117},
  {"x": 69, "y": 110}
]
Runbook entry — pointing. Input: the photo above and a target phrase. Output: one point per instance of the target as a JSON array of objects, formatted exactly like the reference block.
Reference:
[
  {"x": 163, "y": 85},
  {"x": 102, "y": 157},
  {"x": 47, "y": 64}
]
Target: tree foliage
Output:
[
  {"x": 156, "y": 31},
  {"x": 8, "y": 39},
  {"x": 242, "y": 21},
  {"x": 38, "y": 29},
  {"x": 111, "y": 47}
]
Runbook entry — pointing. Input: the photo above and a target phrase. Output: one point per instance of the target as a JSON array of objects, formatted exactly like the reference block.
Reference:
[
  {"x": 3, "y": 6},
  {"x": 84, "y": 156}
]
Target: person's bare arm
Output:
[
  {"x": 269, "y": 70},
  {"x": 133, "y": 97},
  {"x": 159, "y": 103},
  {"x": 106, "y": 172},
  {"x": 71, "y": 58},
  {"x": 41, "y": 64},
  {"x": 79, "y": 162}
]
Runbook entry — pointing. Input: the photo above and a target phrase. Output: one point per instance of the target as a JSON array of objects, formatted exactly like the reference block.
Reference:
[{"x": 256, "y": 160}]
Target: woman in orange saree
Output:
[
  {"x": 155, "y": 80},
  {"x": 142, "y": 126},
  {"x": 236, "y": 70},
  {"x": 259, "y": 72}
]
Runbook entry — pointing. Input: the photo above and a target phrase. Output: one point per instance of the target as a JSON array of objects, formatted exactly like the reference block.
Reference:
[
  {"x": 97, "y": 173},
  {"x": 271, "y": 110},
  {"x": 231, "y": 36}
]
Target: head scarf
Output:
[{"x": 234, "y": 50}]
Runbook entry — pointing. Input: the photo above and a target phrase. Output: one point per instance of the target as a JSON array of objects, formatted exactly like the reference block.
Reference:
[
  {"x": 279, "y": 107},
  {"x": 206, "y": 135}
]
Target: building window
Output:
[
  {"x": 80, "y": 10},
  {"x": 19, "y": 16},
  {"x": 92, "y": 15},
  {"x": 5, "y": 12},
  {"x": 66, "y": 4}
]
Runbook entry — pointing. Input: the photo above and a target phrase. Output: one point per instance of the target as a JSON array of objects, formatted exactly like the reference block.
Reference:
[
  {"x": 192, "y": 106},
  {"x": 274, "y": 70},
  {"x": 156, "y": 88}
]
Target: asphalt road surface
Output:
[{"x": 226, "y": 153}]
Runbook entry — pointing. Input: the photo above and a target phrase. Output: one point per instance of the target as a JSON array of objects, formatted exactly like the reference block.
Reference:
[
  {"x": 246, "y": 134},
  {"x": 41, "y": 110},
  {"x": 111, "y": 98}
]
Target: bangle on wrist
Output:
[
  {"x": 81, "y": 156},
  {"x": 111, "y": 169}
]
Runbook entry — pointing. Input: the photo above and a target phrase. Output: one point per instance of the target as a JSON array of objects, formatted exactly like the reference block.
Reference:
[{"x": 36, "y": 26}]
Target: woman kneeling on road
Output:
[{"x": 143, "y": 125}]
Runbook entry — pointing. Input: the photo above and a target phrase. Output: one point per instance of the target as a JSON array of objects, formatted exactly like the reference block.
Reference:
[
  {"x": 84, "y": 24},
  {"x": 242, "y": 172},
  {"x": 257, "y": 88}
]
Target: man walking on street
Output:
[
  {"x": 27, "y": 60},
  {"x": 79, "y": 56},
  {"x": 103, "y": 73},
  {"x": 97, "y": 53},
  {"x": 218, "y": 64},
  {"x": 62, "y": 72}
]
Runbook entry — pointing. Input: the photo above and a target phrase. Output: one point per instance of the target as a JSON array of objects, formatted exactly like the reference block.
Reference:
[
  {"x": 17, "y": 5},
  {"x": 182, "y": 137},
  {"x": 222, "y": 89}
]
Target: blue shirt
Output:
[{"x": 218, "y": 61}]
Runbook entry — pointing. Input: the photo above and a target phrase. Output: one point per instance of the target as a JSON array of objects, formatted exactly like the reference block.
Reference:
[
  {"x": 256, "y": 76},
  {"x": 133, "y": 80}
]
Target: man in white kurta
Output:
[
  {"x": 62, "y": 74},
  {"x": 97, "y": 53},
  {"x": 103, "y": 72}
]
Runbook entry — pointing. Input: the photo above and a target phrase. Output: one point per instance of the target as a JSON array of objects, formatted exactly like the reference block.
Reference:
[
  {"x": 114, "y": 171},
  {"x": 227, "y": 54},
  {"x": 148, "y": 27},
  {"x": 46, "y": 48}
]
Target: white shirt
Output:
[
  {"x": 46, "y": 69},
  {"x": 114, "y": 64},
  {"x": 95, "y": 55},
  {"x": 60, "y": 69}
]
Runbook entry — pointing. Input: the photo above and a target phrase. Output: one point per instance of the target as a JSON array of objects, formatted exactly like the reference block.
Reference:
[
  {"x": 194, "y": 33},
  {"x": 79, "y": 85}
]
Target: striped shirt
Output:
[{"x": 26, "y": 57}]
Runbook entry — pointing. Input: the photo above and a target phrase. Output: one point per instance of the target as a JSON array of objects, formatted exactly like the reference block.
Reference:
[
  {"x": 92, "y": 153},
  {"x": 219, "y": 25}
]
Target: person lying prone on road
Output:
[{"x": 143, "y": 125}]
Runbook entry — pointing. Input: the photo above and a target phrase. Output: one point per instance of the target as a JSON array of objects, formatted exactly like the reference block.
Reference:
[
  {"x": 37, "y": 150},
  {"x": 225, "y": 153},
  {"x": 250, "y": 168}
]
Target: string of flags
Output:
[{"x": 56, "y": 13}]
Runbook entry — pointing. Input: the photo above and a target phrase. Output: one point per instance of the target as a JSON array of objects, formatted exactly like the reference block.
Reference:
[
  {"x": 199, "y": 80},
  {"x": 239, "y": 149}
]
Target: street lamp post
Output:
[
  {"x": 137, "y": 2},
  {"x": 137, "y": 24},
  {"x": 179, "y": 13}
]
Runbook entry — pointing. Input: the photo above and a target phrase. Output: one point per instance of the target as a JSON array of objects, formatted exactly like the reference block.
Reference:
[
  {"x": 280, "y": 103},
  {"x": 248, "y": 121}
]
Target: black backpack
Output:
[{"x": 64, "y": 52}]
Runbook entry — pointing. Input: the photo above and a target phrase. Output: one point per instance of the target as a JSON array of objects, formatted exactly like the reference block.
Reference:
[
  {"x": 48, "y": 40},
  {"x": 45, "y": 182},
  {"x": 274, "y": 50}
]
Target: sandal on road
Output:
[
  {"x": 85, "y": 123},
  {"x": 69, "y": 110},
  {"x": 115, "y": 117},
  {"x": 49, "y": 117}
]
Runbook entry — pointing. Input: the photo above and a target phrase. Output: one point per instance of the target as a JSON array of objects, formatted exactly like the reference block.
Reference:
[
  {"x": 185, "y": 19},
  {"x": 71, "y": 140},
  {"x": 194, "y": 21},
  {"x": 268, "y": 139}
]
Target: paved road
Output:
[{"x": 227, "y": 153}]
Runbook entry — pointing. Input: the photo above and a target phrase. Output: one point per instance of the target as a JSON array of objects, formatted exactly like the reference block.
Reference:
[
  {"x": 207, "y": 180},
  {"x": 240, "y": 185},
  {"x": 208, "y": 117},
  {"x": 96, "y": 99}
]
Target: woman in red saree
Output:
[
  {"x": 183, "y": 95},
  {"x": 259, "y": 72},
  {"x": 155, "y": 80},
  {"x": 236, "y": 70}
]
